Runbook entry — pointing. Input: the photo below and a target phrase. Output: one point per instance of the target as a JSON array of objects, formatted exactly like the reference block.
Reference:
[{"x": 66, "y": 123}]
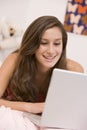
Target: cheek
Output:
[
  {"x": 59, "y": 50},
  {"x": 41, "y": 49},
  {"x": 39, "y": 52}
]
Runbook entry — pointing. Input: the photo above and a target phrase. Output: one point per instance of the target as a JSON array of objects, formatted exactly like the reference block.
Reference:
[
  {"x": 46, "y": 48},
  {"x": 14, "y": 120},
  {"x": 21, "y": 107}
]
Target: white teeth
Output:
[{"x": 49, "y": 58}]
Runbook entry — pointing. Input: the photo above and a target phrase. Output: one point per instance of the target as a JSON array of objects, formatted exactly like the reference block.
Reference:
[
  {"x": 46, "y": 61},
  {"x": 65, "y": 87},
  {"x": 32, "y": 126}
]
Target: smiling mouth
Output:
[{"x": 49, "y": 58}]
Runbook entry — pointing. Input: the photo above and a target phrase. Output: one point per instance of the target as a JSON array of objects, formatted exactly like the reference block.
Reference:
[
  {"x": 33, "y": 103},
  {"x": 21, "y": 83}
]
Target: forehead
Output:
[{"x": 52, "y": 32}]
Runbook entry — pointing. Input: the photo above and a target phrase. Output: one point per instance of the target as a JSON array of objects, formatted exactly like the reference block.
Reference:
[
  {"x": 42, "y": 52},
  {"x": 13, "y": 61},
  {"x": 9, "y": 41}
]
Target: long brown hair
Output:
[{"x": 21, "y": 83}]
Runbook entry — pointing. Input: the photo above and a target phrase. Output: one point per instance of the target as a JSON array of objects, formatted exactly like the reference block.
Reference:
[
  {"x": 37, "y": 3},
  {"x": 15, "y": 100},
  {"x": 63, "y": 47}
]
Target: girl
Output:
[{"x": 26, "y": 73}]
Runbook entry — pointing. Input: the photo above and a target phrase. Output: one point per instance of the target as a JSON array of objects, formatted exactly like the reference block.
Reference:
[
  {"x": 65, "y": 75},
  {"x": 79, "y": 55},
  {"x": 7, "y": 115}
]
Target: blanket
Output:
[{"x": 16, "y": 120}]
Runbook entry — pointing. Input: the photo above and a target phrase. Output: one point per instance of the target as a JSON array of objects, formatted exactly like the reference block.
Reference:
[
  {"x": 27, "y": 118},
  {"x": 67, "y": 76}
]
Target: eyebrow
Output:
[{"x": 55, "y": 39}]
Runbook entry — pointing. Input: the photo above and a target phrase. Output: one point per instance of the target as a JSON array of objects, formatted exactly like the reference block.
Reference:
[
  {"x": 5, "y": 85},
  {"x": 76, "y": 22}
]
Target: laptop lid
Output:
[{"x": 66, "y": 102}]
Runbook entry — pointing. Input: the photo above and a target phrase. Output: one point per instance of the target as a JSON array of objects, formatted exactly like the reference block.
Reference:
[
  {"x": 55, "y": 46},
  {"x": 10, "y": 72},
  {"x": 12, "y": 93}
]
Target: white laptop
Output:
[{"x": 66, "y": 102}]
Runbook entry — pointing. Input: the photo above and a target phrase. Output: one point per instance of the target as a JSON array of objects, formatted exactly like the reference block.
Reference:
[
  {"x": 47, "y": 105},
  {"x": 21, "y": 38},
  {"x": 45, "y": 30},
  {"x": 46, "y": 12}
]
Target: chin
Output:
[{"x": 49, "y": 66}]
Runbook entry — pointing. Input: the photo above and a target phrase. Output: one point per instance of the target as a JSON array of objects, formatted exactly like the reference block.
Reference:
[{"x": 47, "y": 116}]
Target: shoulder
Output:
[
  {"x": 10, "y": 61},
  {"x": 12, "y": 58},
  {"x": 74, "y": 66},
  {"x": 6, "y": 71}
]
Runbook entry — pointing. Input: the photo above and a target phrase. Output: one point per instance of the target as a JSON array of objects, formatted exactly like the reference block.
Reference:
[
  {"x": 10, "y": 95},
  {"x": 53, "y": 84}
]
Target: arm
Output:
[
  {"x": 6, "y": 72},
  {"x": 74, "y": 66},
  {"x": 23, "y": 106}
]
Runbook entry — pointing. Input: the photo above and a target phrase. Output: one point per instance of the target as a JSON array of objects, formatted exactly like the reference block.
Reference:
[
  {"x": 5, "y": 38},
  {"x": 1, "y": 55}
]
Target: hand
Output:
[{"x": 35, "y": 107}]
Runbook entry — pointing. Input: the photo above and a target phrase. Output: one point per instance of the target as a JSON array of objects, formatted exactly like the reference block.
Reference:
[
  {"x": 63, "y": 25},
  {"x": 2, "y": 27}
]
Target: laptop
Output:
[{"x": 66, "y": 102}]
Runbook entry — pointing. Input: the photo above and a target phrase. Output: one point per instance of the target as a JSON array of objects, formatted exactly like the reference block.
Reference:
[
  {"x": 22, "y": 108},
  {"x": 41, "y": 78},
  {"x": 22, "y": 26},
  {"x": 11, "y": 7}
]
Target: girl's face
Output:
[{"x": 50, "y": 49}]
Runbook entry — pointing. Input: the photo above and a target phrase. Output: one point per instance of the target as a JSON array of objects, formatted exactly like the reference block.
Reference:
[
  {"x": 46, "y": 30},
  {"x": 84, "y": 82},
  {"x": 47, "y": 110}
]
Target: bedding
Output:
[{"x": 16, "y": 120}]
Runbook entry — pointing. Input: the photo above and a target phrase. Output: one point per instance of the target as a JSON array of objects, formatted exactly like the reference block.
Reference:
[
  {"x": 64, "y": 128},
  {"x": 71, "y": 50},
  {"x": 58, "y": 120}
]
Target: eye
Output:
[
  {"x": 43, "y": 43},
  {"x": 57, "y": 43}
]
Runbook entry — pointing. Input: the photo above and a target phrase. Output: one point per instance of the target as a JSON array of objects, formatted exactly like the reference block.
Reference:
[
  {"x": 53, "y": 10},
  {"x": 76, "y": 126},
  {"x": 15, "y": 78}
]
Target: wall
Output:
[{"x": 25, "y": 11}]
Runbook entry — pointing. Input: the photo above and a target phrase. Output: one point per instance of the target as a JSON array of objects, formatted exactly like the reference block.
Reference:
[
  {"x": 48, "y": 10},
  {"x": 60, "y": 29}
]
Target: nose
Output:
[{"x": 50, "y": 49}]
